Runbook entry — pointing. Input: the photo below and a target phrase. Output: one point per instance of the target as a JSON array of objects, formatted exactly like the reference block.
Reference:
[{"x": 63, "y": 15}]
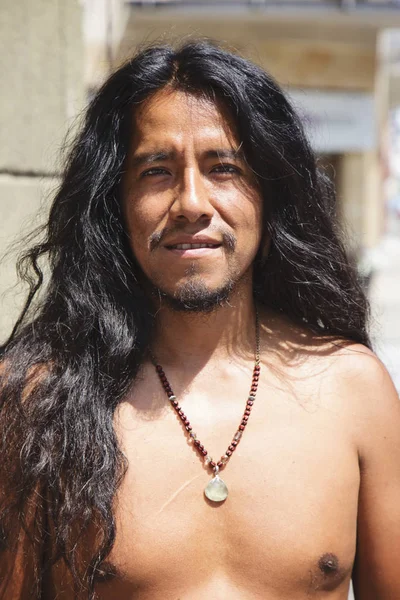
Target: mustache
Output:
[{"x": 228, "y": 239}]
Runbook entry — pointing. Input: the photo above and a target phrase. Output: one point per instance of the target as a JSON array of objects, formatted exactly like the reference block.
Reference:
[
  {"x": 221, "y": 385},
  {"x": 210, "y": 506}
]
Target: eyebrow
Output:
[
  {"x": 145, "y": 158},
  {"x": 225, "y": 153}
]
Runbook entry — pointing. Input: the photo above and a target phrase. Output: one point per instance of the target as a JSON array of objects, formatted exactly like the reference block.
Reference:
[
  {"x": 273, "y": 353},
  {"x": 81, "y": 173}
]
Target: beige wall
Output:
[
  {"x": 303, "y": 52},
  {"x": 104, "y": 22},
  {"x": 359, "y": 184},
  {"x": 42, "y": 90}
]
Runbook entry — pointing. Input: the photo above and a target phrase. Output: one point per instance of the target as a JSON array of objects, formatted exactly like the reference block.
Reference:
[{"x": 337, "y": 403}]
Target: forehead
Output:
[{"x": 178, "y": 118}]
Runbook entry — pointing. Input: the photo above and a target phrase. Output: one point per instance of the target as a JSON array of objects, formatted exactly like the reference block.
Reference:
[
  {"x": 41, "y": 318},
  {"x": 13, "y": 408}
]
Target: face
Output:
[{"x": 191, "y": 203}]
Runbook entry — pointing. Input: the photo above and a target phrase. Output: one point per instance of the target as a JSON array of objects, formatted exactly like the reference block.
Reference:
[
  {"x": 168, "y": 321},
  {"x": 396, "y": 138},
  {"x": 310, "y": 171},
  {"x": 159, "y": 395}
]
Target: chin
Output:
[{"x": 197, "y": 297}]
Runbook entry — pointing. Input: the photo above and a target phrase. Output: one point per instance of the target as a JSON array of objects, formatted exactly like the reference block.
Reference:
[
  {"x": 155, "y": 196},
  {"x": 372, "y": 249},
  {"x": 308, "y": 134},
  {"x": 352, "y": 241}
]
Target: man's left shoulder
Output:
[
  {"x": 361, "y": 371},
  {"x": 366, "y": 392}
]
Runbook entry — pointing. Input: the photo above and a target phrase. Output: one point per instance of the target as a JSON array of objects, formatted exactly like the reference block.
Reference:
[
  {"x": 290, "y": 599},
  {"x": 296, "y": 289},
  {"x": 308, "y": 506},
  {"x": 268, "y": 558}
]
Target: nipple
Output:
[{"x": 329, "y": 564}]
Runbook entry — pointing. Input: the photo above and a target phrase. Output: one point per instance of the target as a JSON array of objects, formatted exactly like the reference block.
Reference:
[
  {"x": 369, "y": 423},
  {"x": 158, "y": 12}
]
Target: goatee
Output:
[{"x": 194, "y": 296}]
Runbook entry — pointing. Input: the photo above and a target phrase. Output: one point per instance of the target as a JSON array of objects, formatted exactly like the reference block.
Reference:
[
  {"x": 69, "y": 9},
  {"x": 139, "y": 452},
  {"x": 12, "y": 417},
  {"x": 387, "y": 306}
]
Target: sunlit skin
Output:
[
  {"x": 298, "y": 500},
  {"x": 187, "y": 182}
]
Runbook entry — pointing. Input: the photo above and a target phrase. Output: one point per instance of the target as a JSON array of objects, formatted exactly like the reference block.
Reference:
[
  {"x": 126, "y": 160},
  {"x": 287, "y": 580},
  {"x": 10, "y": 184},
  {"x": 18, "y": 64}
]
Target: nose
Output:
[{"x": 192, "y": 202}]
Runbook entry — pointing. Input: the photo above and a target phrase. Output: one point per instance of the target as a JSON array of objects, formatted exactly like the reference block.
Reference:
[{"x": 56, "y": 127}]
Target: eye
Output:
[
  {"x": 226, "y": 169},
  {"x": 154, "y": 171}
]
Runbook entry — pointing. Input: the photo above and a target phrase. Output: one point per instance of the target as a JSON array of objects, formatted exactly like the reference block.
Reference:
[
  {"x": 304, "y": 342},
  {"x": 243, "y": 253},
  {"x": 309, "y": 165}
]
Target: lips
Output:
[
  {"x": 191, "y": 246},
  {"x": 186, "y": 248}
]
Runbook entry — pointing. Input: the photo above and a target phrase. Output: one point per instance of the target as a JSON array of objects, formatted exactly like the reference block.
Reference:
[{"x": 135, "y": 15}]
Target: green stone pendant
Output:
[{"x": 216, "y": 490}]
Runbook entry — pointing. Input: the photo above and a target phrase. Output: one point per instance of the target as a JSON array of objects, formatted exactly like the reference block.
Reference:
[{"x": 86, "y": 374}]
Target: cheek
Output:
[
  {"x": 246, "y": 219},
  {"x": 256, "y": 220},
  {"x": 142, "y": 221}
]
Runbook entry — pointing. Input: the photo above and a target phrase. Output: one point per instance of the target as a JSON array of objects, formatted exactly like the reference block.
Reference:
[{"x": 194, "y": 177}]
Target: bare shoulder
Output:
[
  {"x": 372, "y": 396},
  {"x": 356, "y": 384},
  {"x": 345, "y": 375},
  {"x": 297, "y": 346},
  {"x": 355, "y": 362},
  {"x": 359, "y": 370}
]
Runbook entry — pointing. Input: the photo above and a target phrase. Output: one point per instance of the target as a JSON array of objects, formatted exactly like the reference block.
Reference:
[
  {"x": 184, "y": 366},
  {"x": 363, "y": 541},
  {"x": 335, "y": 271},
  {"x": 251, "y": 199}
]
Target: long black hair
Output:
[{"x": 85, "y": 329}]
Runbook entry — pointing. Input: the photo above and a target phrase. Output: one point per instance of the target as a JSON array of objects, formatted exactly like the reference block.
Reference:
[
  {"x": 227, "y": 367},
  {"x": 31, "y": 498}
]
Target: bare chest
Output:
[{"x": 288, "y": 525}]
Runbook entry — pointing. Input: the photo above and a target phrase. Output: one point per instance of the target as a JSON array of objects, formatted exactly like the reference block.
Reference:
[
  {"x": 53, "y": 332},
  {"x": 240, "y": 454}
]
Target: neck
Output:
[{"x": 194, "y": 339}]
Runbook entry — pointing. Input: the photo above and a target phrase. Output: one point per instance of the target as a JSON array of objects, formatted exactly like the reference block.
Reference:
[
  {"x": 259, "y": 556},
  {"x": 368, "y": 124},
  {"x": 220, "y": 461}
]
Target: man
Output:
[{"x": 191, "y": 409}]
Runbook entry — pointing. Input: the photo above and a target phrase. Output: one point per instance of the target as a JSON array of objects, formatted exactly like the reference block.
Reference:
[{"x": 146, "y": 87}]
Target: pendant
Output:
[{"x": 216, "y": 490}]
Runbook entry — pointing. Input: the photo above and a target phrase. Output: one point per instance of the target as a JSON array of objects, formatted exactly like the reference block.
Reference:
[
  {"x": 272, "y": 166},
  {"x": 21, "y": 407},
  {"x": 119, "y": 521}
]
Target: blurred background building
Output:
[{"x": 339, "y": 61}]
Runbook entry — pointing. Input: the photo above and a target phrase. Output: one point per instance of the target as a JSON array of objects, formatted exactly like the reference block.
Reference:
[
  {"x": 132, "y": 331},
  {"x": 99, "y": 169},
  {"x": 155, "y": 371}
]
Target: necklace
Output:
[{"x": 216, "y": 490}]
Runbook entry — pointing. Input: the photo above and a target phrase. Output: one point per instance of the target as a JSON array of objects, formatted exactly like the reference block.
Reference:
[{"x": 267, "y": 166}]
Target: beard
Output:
[{"x": 194, "y": 296}]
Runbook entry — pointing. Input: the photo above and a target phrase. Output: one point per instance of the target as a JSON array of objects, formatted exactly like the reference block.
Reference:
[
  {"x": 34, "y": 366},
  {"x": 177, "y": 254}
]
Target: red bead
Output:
[{"x": 186, "y": 422}]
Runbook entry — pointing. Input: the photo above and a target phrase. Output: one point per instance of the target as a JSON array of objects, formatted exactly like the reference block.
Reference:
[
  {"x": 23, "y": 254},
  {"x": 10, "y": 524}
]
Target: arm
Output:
[
  {"x": 376, "y": 574},
  {"x": 21, "y": 559},
  {"x": 21, "y": 546}
]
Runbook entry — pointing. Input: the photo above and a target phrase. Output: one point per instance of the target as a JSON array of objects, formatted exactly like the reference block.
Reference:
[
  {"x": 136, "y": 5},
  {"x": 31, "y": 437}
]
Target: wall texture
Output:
[{"x": 41, "y": 63}]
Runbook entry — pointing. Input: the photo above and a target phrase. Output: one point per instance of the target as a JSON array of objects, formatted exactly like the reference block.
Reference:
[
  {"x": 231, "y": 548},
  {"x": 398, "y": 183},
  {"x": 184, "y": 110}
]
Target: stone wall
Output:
[{"x": 41, "y": 62}]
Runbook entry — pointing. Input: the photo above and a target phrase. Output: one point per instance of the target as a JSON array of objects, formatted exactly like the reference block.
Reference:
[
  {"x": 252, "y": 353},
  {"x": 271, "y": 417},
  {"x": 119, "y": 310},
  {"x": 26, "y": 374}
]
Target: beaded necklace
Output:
[{"x": 216, "y": 490}]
